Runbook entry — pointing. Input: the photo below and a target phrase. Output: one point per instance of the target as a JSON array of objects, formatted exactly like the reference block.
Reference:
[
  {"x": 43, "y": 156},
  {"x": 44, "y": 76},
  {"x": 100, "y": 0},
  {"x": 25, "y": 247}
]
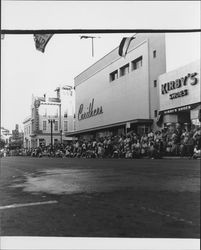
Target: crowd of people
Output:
[{"x": 177, "y": 142}]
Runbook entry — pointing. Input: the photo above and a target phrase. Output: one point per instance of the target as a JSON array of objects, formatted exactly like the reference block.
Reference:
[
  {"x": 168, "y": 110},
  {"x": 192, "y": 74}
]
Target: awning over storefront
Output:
[
  {"x": 136, "y": 121},
  {"x": 178, "y": 109}
]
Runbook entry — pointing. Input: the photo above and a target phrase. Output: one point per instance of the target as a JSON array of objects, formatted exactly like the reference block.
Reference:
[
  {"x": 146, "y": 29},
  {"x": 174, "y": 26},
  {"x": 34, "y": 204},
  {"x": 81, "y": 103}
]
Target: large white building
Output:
[
  {"x": 59, "y": 110},
  {"x": 118, "y": 94}
]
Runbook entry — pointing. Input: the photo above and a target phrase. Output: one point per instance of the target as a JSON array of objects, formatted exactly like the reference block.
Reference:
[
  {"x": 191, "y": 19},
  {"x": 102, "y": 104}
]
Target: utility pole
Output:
[
  {"x": 60, "y": 127},
  {"x": 58, "y": 90},
  {"x": 51, "y": 121}
]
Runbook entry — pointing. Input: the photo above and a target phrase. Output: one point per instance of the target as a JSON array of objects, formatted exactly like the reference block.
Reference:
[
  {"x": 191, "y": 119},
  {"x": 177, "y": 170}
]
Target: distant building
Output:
[
  {"x": 59, "y": 109},
  {"x": 116, "y": 94},
  {"x": 27, "y": 132},
  {"x": 16, "y": 139},
  {"x": 5, "y": 135}
]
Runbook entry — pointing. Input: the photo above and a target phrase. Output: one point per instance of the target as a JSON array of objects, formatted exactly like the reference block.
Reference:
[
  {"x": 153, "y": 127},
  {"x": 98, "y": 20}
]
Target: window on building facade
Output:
[
  {"x": 44, "y": 125},
  {"x": 154, "y": 54},
  {"x": 113, "y": 75},
  {"x": 155, "y": 113},
  {"x": 65, "y": 126},
  {"x": 124, "y": 70},
  {"x": 29, "y": 130},
  {"x": 65, "y": 114},
  {"x": 155, "y": 83},
  {"x": 44, "y": 112},
  {"x": 137, "y": 63},
  {"x": 56, "y": 113},
  {"x": 56, "y": 126}
]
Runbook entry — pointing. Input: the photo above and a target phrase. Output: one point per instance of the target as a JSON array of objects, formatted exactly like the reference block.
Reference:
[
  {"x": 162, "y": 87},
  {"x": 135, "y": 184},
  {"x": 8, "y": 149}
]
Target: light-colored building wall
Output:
[
  {"x": 157, "y": 66},
  {"x": 129, "y": 97},
  {"x": 27, "y": 133}
]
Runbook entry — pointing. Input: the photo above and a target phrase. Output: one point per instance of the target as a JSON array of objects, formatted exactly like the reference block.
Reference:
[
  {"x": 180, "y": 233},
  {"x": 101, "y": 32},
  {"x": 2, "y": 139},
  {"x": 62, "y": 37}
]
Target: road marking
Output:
[
  {"x": 28, "y": 204},
  {"x": 167, "y": 215}
]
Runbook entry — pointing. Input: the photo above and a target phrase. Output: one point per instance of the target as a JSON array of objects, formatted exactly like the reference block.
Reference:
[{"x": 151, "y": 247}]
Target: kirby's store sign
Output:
[
  {"x": 189, "y": 79},
  {"x": 180, "y": 87}
]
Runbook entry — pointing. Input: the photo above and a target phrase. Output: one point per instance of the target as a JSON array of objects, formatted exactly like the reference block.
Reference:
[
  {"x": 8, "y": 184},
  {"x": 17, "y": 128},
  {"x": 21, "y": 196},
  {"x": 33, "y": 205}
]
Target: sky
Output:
[{"x": 26, "y": 71}]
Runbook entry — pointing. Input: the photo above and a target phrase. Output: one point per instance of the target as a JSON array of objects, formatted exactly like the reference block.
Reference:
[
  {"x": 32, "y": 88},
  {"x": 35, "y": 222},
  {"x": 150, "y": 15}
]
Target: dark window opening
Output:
[
  {"x": 137, "y": 63},
  {"x": 155, "y": 113},
  {"x": 154, "y": 53},
  {"x": 113, "y": 75},
  {"x": 155, "y": 83},
  {"x": 124, "y": 70}
]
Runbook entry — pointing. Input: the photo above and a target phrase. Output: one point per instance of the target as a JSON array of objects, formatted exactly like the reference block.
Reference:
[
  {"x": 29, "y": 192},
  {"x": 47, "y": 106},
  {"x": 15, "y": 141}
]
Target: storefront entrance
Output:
[{"x": 184, "y": 117}]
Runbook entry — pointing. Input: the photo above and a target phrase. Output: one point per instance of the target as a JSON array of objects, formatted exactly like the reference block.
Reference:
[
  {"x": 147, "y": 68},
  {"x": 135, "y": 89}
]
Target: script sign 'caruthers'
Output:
[
  {"x": 41, "y": 41},
  {"x": 90, "y": 111}
]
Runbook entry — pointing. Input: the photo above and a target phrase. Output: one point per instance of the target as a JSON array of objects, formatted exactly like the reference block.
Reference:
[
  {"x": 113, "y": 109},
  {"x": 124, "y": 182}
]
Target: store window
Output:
[
  {"x": 56, "y": 126},
  {"x": 154, "y": 54},
  {"x": 137, "y": 63},
  {"x": 124, "y": 70},
  {"x": 44, "y": 125},
  {"x": 65, "y": 126},
  {"x": 155, "y": 83},
  {"x": 114, "y": 75}
]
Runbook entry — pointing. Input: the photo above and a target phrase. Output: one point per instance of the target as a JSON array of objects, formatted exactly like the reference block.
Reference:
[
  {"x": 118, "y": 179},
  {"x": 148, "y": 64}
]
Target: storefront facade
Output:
[
  {"x": 180, "y": 96},
  {"x": 51, "y": 118},
  {"x": 116, "y": 94}
]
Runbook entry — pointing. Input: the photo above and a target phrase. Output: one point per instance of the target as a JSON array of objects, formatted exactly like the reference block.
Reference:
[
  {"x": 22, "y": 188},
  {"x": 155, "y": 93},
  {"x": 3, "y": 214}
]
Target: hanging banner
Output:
[{"x": 41, "y": 41}]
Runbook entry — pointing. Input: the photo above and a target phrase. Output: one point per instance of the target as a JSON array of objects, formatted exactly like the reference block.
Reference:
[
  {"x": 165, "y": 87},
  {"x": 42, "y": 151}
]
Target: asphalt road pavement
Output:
[{"x": 100, "y": 197}]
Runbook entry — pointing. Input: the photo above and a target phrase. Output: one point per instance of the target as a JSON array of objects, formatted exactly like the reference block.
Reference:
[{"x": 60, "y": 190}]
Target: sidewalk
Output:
[{"x": 180, "y": 157}]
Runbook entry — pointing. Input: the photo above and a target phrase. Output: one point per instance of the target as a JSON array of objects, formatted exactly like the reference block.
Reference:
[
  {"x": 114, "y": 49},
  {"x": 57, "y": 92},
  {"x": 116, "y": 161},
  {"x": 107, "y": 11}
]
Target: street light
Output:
[{"x": 51, "y": 121}]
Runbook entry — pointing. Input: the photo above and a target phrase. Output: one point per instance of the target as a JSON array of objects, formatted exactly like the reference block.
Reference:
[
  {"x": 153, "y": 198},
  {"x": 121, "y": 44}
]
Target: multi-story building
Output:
[
  {"x": 118, "y": 94},
  {"x": 47, "y": 111}
]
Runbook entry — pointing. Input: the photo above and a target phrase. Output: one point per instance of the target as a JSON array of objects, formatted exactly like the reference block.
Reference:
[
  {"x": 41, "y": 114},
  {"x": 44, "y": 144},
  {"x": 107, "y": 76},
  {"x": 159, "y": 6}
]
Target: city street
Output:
[{"x": 100, "y": 197}]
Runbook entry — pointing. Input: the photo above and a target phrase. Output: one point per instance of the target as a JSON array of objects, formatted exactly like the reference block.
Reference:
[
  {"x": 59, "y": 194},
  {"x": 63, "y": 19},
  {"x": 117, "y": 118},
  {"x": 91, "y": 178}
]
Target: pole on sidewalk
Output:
[{"x": 51, "y": 121}]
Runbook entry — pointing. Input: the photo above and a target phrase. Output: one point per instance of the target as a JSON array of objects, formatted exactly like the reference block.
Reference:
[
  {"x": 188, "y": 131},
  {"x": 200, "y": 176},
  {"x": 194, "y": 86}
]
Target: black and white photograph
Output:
[{"x": 100, "y": 125}]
